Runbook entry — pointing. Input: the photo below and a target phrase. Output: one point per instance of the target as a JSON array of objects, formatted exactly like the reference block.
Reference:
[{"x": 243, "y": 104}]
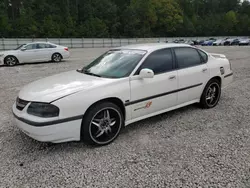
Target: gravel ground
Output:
[{"x": 188, "y": 147}]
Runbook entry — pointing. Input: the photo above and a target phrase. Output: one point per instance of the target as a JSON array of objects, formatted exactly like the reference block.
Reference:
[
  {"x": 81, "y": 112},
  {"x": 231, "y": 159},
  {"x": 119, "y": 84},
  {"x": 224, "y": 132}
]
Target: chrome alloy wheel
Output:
[
  {"x": 57, "y": 58},
  {"x": 213, "y": 94},
  {"x": 105, "y": 125},
  {"x": 11, "y": 61}
]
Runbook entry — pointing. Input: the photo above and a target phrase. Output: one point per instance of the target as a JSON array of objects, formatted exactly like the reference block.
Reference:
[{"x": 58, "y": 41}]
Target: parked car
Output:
[
  {"x": 190, "y": 42},
  {"x": 208, "y": 42},
  {"x": 235, "y": 42},
  {"x": 34, "y": 52},
  {"x": 196, "y": 42},
  {"x": 219, "y": 42},
  {"x": 124, "y": 85},
  {"x": 179, "y": 41},
  {"x": 230, "y": 41},
  {"x": 244, "y": 42}
]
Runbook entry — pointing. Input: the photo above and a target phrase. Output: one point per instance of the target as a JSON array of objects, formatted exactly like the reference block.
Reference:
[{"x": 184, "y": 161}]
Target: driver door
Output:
[{"x": 152, "y": 95}]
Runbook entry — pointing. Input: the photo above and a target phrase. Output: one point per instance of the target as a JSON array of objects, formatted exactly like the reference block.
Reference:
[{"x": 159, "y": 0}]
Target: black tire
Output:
[
  {"x": 95, "y": 123},
  {"x": 56, "y": 57},
  {"x": 207, "y": 101},
  {"x": 11, "y": 60}
]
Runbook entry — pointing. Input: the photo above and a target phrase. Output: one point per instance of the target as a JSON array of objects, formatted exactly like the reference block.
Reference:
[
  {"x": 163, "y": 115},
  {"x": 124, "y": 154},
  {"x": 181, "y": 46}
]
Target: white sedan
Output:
[
  {"x": 122, "y": 86},
  {"x": 34, "y": 52}
]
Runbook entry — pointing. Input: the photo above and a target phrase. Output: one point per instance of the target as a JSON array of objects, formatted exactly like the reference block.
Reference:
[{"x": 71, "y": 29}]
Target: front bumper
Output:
[{"x": 55, "y": 133}]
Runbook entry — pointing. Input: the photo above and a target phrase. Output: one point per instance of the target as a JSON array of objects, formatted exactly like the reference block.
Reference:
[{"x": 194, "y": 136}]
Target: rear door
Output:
[
  {"x": 155, "y": 94},
  {"x": 42, "y": 52},
  {"x": 193, "y": 73}
]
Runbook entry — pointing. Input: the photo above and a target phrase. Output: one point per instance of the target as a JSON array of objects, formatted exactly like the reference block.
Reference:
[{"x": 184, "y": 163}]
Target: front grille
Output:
[{"x": 20, "y": 104}]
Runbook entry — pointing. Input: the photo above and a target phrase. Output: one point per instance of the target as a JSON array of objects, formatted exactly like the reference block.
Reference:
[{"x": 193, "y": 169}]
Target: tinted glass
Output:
[
  {"x": 160, "y": 61},
  {"x": 41, "y": 46},
  {"x": 187, "y": 57},
  {"x": 30, "y": 46},
  {"x": 115, "y": 63},
  {"x": 203, "y": 55},
  {"x": 50, "y": 46}
]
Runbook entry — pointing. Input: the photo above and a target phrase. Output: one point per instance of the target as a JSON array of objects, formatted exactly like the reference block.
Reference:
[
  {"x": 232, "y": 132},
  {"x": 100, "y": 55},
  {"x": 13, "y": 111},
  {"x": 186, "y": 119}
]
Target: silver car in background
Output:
[{"x": 34, "y": 52}]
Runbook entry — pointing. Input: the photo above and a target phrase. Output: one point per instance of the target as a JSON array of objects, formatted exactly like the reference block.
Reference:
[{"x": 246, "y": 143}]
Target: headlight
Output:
[{"x": 43, "y": 110}]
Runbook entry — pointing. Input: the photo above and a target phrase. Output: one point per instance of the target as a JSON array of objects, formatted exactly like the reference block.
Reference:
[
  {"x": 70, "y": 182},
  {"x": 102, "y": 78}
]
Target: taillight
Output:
[{"x": 66, "y": 49}]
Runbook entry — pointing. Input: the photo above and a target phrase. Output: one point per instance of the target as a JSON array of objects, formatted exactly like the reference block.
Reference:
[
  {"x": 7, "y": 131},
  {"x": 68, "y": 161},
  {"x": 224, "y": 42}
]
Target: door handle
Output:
[
  {"x": 204, "y": 70},
  {"x": 172, "y": 77}
]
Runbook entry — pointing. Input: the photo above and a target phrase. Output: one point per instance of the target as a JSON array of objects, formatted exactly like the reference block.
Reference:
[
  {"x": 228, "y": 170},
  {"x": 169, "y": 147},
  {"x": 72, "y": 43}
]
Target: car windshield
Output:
[
  {"x": 19, "y": 47},
  {"x": 114, "y": 63}
]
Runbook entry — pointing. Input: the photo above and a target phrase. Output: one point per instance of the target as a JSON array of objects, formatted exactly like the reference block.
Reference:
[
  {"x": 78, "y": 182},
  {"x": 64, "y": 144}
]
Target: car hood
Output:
[
  {"x": 58, "y": 86},
  {"x": 8, "y": 52}
]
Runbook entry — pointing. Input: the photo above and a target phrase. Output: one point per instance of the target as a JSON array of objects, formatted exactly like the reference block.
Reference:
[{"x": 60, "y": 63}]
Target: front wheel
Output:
[
  {"x": 211, "y": 94},
  {"x": 102, "y": 124},
  {"x": 10, "y": 60}
]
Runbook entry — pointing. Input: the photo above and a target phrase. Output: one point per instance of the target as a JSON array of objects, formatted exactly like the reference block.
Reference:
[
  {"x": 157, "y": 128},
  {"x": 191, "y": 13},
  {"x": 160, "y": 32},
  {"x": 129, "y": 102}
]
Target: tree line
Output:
[{"x": 124, "y": 18}]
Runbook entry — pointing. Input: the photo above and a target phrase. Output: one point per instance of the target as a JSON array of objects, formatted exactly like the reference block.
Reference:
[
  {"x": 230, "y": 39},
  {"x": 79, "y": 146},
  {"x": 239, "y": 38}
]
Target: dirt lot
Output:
[{"x": 189, "y": 147}]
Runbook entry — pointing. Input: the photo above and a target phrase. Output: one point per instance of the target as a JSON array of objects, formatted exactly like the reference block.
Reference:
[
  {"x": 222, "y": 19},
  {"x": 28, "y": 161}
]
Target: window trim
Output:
[
  {"x": 199, "y": 51},
  {"x": 176, "y": 61},
  {"x": 136, "y": 73}
]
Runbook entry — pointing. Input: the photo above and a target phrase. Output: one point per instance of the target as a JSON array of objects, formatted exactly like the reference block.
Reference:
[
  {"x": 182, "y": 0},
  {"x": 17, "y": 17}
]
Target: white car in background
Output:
[
  {"x": 34, "y": 52},
  {"x": 122, "y": 86}
]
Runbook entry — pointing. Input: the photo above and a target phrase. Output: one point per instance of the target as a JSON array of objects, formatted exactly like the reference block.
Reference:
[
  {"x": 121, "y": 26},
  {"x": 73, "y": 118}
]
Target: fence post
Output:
[
  {"x": 59, "y": 41},
  {"x": 71, "y": 42},
  {"x": 111, "y": 42},
  {"x": 128, "y": 40},
  {"x": 92, "y": 42},
  {"x": 120, "y": 41},
  {"x": 82, "y": 42},
  {"x": 3, "y": 44},
  {"x": 103, "y": 40},
  {"x": 17, "y": 42}
]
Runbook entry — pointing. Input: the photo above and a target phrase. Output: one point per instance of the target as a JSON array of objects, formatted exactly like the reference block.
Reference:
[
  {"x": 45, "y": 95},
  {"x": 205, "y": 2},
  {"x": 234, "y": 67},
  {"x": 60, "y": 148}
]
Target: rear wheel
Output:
[
  {"x": 102, "y": 124},
  {"x": 56, "y": 57},
  {"x": 10, "y": 60},
  {"x": 211, "y": 94}
]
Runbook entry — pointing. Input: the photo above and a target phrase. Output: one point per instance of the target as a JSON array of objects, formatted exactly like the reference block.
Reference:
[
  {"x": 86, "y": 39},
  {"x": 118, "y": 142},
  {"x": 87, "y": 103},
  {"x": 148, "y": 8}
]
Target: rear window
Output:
[
  {"x": 187, "y": 57},
  {"x": 50, "y": 46}
]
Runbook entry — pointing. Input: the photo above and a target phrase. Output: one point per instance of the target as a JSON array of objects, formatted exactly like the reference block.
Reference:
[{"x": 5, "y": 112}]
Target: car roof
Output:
[
  {"x": 153, "y": 46},
  {"x": 39, "y": 42}
]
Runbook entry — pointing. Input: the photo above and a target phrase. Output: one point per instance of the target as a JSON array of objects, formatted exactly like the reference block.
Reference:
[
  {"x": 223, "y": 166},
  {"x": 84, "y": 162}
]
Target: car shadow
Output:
[{"x": 36, "y": 63}]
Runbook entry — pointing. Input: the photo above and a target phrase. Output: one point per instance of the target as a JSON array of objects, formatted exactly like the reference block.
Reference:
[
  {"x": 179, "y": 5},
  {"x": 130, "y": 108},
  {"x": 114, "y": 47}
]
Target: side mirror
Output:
[
  {"x": 146, "y": 73},
  {"x": 23, "y": 49}
]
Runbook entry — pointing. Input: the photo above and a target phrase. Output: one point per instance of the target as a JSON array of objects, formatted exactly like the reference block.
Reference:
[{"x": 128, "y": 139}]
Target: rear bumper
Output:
[{"x": 66, "y": 55}]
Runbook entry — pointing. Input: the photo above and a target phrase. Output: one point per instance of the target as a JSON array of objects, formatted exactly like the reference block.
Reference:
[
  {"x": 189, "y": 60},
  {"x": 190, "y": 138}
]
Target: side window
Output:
[
  {"x": 159, "y": 61},
  {"x": 40, "y": 46},
  {"x": 203, "y": 56},
  {"x": 187, "y": 57},
  {"x": 30, "y": 46},
  {"x": 50, "y": 46}
]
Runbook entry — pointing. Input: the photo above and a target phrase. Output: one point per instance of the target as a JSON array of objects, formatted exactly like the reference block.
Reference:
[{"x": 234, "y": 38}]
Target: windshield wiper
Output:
[{"x": 88, "y": 73}]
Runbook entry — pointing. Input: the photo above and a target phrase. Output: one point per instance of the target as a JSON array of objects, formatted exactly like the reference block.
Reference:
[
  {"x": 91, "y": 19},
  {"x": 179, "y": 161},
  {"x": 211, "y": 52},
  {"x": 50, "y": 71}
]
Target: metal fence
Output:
[{"x": 12, "y": 43}]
